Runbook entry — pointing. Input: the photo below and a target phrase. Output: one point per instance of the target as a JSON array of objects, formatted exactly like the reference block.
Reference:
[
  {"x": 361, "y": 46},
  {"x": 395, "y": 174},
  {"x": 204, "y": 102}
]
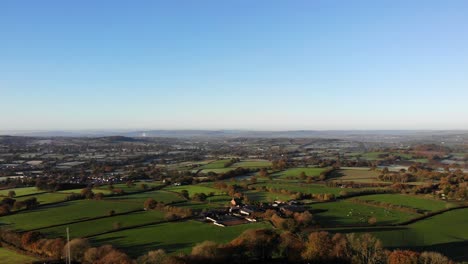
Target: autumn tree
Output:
[
  {"x": 403, "y": 257},
  {"x": 290, "y": 246},
  {"x": 318, "y": 247},
  {"x": 153, "y": 257},
  {"x": 78, "y": 248},
  {"x": 149, "y": 203},
  {"x": 257, "y": 243},
  {"x": 208, "y": 250},
  {"x": 366, "y": 249}
]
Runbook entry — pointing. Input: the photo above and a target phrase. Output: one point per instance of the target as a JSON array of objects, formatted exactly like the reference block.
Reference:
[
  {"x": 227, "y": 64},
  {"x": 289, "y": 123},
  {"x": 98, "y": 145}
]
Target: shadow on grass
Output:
[
  {"x": 457, "y": 251},
  {"x": 135, "y": 249}
]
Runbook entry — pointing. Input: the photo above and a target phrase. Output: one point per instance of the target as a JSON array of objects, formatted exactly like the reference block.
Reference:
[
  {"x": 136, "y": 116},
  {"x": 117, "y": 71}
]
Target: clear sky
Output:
[{"x": 263, "y": 65}]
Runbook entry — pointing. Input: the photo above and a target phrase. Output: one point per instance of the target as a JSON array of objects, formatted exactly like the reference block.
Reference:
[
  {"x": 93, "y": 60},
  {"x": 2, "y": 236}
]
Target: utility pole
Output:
[{"x": 68, "y": 246}]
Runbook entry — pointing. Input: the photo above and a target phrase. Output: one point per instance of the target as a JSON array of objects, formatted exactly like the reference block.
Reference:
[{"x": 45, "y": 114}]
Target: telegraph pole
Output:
[{"x": 68, "y": 246}]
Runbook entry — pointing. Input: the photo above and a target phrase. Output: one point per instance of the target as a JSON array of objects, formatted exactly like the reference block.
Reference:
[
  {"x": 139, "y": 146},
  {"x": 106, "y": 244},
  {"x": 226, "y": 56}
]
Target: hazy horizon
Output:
[{"x": 210, "y": 65}]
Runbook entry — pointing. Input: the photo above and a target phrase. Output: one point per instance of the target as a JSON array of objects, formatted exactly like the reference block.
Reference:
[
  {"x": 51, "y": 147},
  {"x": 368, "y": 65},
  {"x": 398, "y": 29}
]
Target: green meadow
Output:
[{"x": 172, "y": 237}]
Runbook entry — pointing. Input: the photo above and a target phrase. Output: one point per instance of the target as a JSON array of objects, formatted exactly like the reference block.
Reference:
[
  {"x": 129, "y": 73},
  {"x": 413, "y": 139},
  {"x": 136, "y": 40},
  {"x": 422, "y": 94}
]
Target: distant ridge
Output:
[{"x": 130, "y": 135}]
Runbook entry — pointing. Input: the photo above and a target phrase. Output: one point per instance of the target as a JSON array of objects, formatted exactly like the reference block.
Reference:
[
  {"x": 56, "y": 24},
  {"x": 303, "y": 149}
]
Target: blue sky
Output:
[{"x": 263, "y": 65}]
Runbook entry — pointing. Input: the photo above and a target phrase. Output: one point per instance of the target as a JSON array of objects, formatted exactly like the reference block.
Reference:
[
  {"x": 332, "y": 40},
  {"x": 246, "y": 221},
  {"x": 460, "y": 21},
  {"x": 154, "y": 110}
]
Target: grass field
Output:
[
  {"x": 407, "y": 200},
  {"x": 171, "y": 237},
  {"x": 348, "y": 213},
  {"x": 252, "y": 164},
  {"x": 446, "y": 233},
  {"x": 192, "y": 189},
  {"x": 304, "y": 188},
  {"x": 218, "y": 170},
  {"x": 103, "y": 190},
  {"x": 140, "y": 198},
  {"x": 217, "y": 164},
  {"x": 64, "y": 212},
  {"x": 45, "y": 198},
  {"x": 8, "y": 256},
  {"x": 363, "y": 175},
  {"x": 93, "y": 227},
  {"x": 295, "y": 172},
  {"x": 260, "y": 196},
  {"x": 136, "y": 187},
  {"x": 21, "y": 191}
]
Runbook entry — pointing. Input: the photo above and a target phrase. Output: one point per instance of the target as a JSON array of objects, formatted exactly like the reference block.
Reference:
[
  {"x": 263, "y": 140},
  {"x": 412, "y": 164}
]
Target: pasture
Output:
[
  {"x": 259, "y": 196},
  {"x": 192, "y": 189},
  {"x": 217, "y": 170},
  {"x": 139, "y": 198},
  {"x": 172, "y": 237},
  {"x": 217, "y": 164},
  {"x": 64, "y": 213},
  {"x": 358, "y": 175},
  {"x": 446, "y": 233},
  {"x": 302, "y": 187},
  {"x": 343, "y": 213},
  {"x": 8, "y": 256},
  {"x": 252, "y": 164},
  {"x": 93, "y": 227},
  {"x": 417, "y": 202},
  {"x": 296, "y": 172},
  {"x": 21, "y": 191},
  {"x": 45, "y": 198}
]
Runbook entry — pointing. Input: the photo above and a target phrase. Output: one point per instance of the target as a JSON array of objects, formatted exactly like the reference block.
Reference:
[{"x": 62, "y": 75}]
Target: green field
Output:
[
  {"x": 136, "y": 187},
  {"x": 260, "y": 196},
  {"x": 93, "y": 227},
  {"x": 420, "y": 160},
  {"x": 252, "y": 164},
  {"x": 363, "y": 175},
  {"x": 65, "y": 212},
  {"x": 217, "y": 171},
  {"x": 192, "y": 189},
  {"x": 45, "y": 198},
  {"x": 103, "y": 190},
  {"x": 304, "y": 188},
  {"x": 348, "y": 213},
  {"x": 407, "y": 200},
  {"x": 217, "y": 164},
  {"x": 140, "y": 198},
  {"x": 172, "y": 237},
  {"x": 446, "y": 233},
  {"x": 21, "y": 191},
  {"x": 8, "y": 256},
  {"x": 295, "y": 172}
]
